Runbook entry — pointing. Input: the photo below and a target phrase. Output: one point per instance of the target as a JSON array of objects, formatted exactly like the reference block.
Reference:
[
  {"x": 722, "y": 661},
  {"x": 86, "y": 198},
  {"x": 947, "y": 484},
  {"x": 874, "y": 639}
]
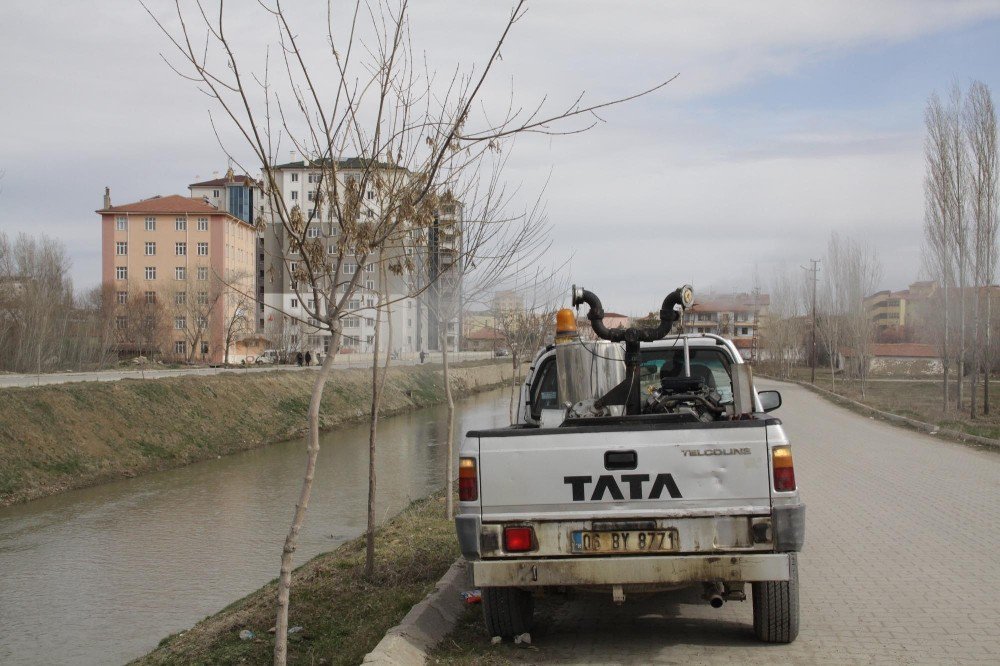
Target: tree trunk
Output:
[
  {"x": 378, "y": 386},
  {"x": 291, "y": 540},
  {"x": 988, "y": 355},
  {"x": 946, "y": 400},
  {"x": 974, "y": 378},
  {"x": 450, "y": 401},
  {"x": 513, "y": 385}
]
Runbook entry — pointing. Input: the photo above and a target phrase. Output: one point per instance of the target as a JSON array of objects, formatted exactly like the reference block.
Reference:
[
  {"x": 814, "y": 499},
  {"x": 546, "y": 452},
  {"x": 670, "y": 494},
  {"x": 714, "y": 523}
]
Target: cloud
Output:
[{"x": 696, "y": 182}]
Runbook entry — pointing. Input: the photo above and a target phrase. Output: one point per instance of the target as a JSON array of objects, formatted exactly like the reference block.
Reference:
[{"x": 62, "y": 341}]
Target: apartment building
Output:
[
  {"x": 734, "y": 316},
  {"x": 414, "y": 320},
  {"x": 182, "y": 273},
  {"x": 242, "y": 197}
]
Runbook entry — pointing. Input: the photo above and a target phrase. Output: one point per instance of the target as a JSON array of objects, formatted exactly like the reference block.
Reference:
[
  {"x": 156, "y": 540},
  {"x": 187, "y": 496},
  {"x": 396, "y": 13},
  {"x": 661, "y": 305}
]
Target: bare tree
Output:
[
  {"x": 525, "y": 318},
  {"x": 236, "y": 307},
  {"x": 958, "y": 192},
  {"x": 980, "y": 127},
  {"x": 782, "y": 333},
  {"x": 939, "y": 220},
  {"x": 861, "y": 271},
  {"x": 833, "y": 305},
  {"x": 413, "y": 138}
]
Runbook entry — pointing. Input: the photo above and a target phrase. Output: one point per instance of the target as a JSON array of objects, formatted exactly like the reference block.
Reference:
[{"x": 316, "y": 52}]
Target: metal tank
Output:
[{"x": 587, "y": 371}]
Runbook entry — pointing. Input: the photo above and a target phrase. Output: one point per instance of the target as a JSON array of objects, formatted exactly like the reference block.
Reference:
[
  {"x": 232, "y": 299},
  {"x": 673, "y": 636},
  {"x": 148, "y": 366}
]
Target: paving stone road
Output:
[{"x": 901, "y": 563}]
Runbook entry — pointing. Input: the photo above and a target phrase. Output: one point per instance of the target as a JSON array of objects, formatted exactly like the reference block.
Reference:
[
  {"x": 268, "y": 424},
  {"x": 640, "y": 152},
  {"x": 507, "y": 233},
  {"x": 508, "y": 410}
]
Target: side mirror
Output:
[{"x": 769, "y": 400}]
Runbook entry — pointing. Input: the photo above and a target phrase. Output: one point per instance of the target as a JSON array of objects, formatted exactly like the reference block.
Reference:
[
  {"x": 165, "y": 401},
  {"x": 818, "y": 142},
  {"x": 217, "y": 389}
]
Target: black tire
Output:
[
  {"x": 507, "y": 611},
  {"x": 776, "y": 607}
]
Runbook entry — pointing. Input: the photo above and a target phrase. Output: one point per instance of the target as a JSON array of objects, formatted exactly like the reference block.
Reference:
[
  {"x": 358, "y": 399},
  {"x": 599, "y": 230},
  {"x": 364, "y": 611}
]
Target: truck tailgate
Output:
[{"x": 578, "y": 473}]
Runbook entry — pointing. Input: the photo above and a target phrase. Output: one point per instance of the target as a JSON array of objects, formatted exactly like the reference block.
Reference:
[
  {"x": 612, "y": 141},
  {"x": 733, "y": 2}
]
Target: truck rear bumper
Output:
[{"x": 630, "y": 570}]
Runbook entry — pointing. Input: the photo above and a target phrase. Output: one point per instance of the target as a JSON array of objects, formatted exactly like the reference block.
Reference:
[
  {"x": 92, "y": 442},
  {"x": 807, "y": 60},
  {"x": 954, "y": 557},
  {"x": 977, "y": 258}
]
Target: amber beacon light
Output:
[{"x": 565, "y": 325}]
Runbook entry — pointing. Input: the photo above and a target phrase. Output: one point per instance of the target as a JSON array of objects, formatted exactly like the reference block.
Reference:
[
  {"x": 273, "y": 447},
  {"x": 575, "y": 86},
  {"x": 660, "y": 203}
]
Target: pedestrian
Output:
[
  {"x": 298, "y": 359},
  {"x": 422, "y": 355},
  {"x": 309, "y": 358}
]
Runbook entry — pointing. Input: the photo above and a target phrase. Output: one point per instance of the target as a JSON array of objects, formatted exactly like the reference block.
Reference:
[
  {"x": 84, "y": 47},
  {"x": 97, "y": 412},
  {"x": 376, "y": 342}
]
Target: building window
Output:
[
  {"x": 350, "y": 269},
  {"x": 295, "y": 302},
  {"x": 215, "y": 194},
  {"x": 313, "y": 232},
  {"x": 369, "y": 268},
  {"x": 312, "y": 303},
  {"x": 121, "y": 322},
  {"x": 180, "y": 273},
  {"x": 295, "y": 195},
  {"x": 352, "y": 322},
  {"x": 331, "y": 249},
  {"x": 180, "y": 298},
  {"x": 204, "y": 347},
  {"x": 353, "y": 304},
  {"x": 371, "y": 194},
  {"x": 311, "y": 195},
  {"x": 180, "y": 347},
  {"x": 121, "y": 248},
  {"x": 292, "y": 267},
  {"x": 314, "y": 178},
  {"x": 180, "y": 224},
  {"x": 203, "y": 272},
  {"x": 202, "y": 224},
  {"x": 150, "y": 224},
  {"x": 202, "y": 249},
  {"x": 122, "y": 223},
  {"x": 181, "y": 249},
  {"x": 150, "y": 248},
  {"x": 150, "y": 297},
  {"x": 180, "y": 323},
  {"x": 370, "y": 284},
  {"x": 202, "y": 322},
  {"x": 295, "y": 177},
  {"x": 202, "y": 298},
  {"x": 150, "y": 272},
  {"x": 122, "y": 297}
]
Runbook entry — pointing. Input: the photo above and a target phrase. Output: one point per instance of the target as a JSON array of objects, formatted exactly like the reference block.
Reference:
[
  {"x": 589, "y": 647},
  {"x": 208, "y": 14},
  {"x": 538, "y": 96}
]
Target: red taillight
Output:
[
  {"x": 783, "y": 468},
  {"x": 517, "y": 539},
  {"x": 468, "y": 486}
]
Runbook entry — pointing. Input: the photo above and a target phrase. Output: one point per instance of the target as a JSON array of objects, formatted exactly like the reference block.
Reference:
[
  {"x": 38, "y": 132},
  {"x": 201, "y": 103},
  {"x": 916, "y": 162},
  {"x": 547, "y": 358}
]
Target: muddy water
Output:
[{"x": 100, "y": 575}]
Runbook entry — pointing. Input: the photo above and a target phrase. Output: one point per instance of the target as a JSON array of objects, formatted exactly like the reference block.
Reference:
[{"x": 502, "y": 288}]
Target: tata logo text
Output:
[{"x": 608, "y": 485}]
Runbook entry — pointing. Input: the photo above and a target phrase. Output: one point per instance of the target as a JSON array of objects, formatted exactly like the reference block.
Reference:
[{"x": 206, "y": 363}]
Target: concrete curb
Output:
[
  {"x": 426, "y": 624},
  {"x": 928, "y": 428}
]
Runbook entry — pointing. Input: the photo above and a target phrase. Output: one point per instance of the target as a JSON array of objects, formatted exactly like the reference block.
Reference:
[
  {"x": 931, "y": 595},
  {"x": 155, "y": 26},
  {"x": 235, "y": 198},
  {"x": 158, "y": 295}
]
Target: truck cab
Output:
[{"x": 694, "y": 490}]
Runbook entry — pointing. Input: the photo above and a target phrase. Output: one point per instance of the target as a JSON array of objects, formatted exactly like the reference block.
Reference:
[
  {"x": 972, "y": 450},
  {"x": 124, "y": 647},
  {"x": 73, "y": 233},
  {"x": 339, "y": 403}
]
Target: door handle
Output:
[{"x": 615, "y": 460}]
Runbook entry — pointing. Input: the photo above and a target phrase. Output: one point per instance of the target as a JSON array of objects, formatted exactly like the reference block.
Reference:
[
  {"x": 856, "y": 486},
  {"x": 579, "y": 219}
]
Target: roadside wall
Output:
[{"x": 59, "y": 437}]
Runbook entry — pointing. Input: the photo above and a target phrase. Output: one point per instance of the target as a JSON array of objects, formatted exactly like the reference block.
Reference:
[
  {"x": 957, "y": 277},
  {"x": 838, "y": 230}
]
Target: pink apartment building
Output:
[{"x": 194, "y": 262}]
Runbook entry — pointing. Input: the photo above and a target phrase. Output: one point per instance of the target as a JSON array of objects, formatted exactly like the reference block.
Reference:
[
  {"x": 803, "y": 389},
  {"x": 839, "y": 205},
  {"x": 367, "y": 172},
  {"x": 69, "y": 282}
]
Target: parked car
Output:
[{"x": 270, "y": 356}]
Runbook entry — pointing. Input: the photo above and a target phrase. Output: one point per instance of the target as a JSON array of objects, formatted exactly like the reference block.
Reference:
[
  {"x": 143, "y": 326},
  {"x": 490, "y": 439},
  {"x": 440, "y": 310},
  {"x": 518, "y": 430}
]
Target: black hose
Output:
[{"x": 634, "y": 334}]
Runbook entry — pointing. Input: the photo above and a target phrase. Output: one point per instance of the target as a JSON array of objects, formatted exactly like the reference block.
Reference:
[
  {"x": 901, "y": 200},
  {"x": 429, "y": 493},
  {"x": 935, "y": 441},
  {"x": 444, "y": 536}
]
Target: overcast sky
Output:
[{"x": 789, "y": 120}]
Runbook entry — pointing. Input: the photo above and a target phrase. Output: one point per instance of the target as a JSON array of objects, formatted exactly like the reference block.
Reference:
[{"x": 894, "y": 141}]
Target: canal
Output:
[{"x": 100, "y": 575}]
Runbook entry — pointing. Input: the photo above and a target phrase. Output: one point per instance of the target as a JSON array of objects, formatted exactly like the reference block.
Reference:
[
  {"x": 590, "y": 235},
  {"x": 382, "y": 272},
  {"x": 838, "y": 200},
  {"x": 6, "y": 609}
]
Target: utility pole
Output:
[{"x": 812, "y": 355}]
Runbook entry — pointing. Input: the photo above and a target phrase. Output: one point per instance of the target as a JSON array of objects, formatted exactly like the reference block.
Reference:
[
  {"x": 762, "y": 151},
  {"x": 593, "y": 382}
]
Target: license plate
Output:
[{"x": 655, "y": 541}]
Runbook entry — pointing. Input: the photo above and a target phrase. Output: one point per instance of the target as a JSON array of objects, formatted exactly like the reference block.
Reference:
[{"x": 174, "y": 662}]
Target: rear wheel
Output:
[
  {"x": 776, "y": 606},
  {"x": 508, "y": 611}
]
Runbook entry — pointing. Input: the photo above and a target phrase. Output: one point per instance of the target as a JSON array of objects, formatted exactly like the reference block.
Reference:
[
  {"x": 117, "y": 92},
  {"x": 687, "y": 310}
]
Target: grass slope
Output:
[{"x": 55, "y": 438}]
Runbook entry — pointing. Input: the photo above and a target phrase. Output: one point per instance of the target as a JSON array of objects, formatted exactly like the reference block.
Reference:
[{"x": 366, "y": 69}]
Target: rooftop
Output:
[
  {"x": 225, "y": 180},
  {"x": 169, "y": 204},
  {"x": 349, "y": 163}
]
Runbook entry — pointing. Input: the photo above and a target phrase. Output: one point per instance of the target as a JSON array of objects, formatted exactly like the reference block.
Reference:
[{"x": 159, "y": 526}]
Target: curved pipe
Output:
[{"x": 682, "y": 296}]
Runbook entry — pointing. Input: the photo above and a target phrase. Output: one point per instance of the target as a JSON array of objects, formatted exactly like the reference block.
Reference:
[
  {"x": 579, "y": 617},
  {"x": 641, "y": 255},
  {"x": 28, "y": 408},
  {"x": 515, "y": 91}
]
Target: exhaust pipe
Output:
[{"x": 714, "y": 595}]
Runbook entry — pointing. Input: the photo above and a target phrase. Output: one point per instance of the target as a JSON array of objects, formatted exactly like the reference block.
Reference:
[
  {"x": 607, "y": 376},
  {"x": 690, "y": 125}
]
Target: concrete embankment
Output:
[{"x": 74, "y": 435}]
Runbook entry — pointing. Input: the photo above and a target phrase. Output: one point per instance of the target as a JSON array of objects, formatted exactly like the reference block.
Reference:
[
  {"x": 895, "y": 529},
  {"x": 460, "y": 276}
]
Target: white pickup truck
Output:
[{"x": 694, "y": 486}]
